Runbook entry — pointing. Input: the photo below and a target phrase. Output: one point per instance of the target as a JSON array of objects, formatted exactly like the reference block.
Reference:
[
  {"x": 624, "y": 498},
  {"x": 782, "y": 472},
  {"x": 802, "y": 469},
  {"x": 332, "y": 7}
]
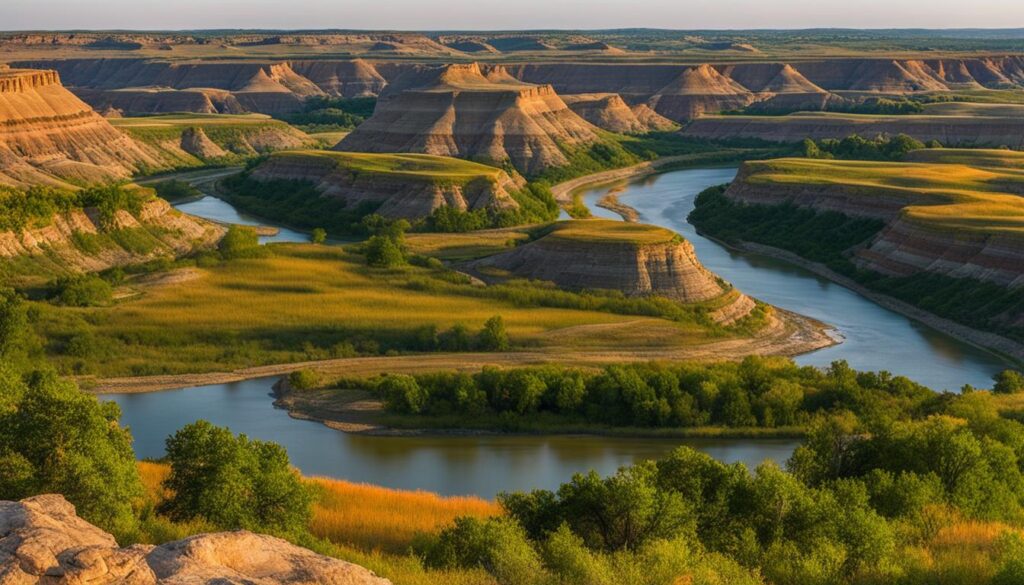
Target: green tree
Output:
[
  {"x": 402, "y": 393},
  {"x": 493, "y": 336},
  {"x": 54, "y": 438},
  {"x": 17, "y": 341},
  {"x": 87, "y": 290},
  {"x": 318, "y": 236},
  {"x": 234, "y": 482},
  {"x": 1008, "y": 382},
  {"x": 239, "y": 242},
  {"x": 384, "y": 252}
]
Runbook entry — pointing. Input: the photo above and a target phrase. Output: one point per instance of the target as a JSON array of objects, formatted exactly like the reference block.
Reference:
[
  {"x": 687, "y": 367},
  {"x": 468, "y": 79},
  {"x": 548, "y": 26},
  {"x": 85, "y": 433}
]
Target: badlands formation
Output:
[
  {"x": 49, "y": 136},
  {"x": 43, "y": 541},
  {"x": 467, "y": 112},
  {"x": 406, "y": 186},
  {"x": 636, "y": 259}
]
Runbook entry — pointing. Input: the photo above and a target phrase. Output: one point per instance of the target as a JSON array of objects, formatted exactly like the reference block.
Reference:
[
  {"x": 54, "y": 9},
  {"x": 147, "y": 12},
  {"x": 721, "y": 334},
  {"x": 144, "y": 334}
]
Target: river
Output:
[{"x": 875, "y": 339}]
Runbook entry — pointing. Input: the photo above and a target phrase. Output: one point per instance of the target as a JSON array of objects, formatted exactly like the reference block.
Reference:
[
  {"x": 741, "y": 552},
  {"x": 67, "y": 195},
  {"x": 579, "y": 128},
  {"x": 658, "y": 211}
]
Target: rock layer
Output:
[
  {"x": 607, "y": 257},
  {"x": 48, "y": 135},
  {"x": 461, "y": 111},
  {"x": 43, "y": 541},
  {"x": 610, "y": 112},
  {"x": 403, "y": 194}
]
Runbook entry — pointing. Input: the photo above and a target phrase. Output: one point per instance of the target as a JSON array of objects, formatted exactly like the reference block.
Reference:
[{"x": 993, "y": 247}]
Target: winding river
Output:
[{"x": 875, "y": 339}]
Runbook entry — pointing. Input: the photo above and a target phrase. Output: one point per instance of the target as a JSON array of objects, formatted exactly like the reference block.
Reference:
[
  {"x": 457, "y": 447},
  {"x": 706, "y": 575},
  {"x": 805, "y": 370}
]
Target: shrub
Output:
[
  {"x": 318, "y": 236},
  {"x": 83, "y": 291},
  {"x": 383, "y": 252},
  {"x": 304, "y": 379},
  {"x": 494, "y": 337},
  {"x": 234, "y": 482},
  {"x": 239, "y": 242},
  {"x": 402, "y": 394},
  {"x": 1008, "y": 382},
  {"x": 175, "y": 190}
]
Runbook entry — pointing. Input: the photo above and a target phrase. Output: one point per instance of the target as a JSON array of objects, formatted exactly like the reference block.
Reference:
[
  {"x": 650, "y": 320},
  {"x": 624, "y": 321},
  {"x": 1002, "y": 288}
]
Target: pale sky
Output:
[{"x": 507, "y": 14}]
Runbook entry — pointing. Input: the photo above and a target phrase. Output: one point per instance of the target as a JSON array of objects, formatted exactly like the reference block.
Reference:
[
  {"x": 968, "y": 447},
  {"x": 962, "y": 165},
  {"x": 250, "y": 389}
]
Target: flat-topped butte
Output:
[
  {"x": 424, "y": 167},
  {"x": 608, "y": 232}
]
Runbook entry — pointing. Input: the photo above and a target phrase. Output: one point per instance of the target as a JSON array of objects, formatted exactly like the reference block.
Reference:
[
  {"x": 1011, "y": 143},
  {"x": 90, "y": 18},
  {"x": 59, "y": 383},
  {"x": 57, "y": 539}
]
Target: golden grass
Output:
[
  {"x": 375, "y": 518},
  {"x": 190, "y": 119},
  {"x": 415, "y": 166},
  {"x": 456, "y": 247},
  {"x": 604, "y": 231},
  {"x": 940, "y": 196},
  {"x": 263, "y": 311}
]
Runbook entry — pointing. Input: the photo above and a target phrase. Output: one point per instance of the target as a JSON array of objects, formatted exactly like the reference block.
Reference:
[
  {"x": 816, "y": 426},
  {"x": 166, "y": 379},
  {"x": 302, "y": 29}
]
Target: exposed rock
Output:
[
  {"x": 195, "y": 142},
  {"x": 48, "y": 135},
  {"x": 349, "y": 79},
  {"x": 465, "y": 112},
  {"x": 43, "y": 541},
  {"x": 699, "y": 90},
  {"x": 411, "y": 191},
  {"x": 638, "y": 260},
  {"x": 610, "y": 112}
]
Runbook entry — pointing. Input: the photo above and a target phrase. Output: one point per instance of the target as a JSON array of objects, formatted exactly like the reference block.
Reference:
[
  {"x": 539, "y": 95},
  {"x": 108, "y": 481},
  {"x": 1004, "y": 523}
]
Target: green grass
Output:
[
  {"x": 937, "y": 196},
  {"x": 608, "y": 232},
  {"x": 423, "y": 167},
  {"x": 316, "y": 302},
  {"x": 975, "y": 157}
]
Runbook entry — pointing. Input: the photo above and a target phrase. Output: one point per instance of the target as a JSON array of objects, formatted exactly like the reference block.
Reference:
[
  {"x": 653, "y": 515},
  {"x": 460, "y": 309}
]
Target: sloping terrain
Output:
[
  {"x": 699, "y": 90},
  {"x": 409, "y": 186},
  {"x": 610, "y": 112},
  {"x": 636, "y": 259},
  {"x": 49, "y": 136},
  {"x": 465, "y": 112},
  {"x": 42, "y": 540}
]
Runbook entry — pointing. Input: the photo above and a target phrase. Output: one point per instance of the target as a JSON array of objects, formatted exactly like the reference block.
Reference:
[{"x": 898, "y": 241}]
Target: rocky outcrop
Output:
[
  {"x": 195, "y": 142},
  {"x": 347, "y": 79},
  {"x": 43, "y": 541},
  {"x": 609, "y": 112},
  {"x": 412, "y": 190},
  {"x": 699, "y": 90},
  {"x": 465, "y": 112},
  {"x": 78, "y": 241},
  {"x": 47, "y": 135},
  {"x": 161, "y": 101},
  {"x": 638, "y": 260}
]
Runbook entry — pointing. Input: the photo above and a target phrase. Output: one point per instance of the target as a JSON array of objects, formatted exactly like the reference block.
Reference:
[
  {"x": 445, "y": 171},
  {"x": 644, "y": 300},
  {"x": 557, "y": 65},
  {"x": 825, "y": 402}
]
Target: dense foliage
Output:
[
  {"x": 82, "y": 290},
  {"x": 826, "y": 237},
  {"x": 233, "y": 481},
  {"x": 35, "y": 207},
  {"x": 854, "y": 147},
  {"x": 176, "y": 190},
  {"x": 325, "y": 114}
]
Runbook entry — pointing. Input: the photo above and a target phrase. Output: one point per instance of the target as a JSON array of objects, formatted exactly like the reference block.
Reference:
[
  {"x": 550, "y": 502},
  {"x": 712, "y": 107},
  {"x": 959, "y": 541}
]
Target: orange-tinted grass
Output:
[
  {"x": 376, "y": 518},
  {"x": 153, "y": 474}
]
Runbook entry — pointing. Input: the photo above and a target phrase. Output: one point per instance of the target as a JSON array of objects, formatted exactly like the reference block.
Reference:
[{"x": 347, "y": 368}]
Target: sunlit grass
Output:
[{"x": 408, "y": 166}]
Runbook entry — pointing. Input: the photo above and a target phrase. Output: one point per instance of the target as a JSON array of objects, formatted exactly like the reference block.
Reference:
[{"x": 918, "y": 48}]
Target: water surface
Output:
[
  {"x": 875, "y": 338},
  {"x": 480, "y": 466},
  {"x": 210, "y": 207}
]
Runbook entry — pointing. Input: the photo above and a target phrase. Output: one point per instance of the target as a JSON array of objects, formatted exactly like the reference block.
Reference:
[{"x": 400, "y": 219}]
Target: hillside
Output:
[
  {"x": 407, "y": 186},
  {"x": 46, "y": 234},
  {"x": 465, "y": 112},
  {"x": 186, "y": 140},
  {"x": 948, "y": 238},
  {"x": 636, "y": 259},
  {"x": 610, "y": 112},
  {"x": 49, "y": 136}
]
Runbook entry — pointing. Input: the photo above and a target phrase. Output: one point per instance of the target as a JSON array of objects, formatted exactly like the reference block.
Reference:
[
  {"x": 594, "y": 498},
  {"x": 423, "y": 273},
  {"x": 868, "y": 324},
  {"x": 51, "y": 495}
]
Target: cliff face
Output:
[
  {"x": 460, "y": 112},
  {"x": 926, "y": 229},
  {"x": 948, "y": 130},
  {"x": 400, "y": 194},
  {"x": 664, "y": 266},
  {"x": 676, "y": 91},
  {"x": 43, "y": 541},
  {"x": 79, "y": 242},
  {"x": 610, "y": 112},
  {"x": 48, "y": 135}
]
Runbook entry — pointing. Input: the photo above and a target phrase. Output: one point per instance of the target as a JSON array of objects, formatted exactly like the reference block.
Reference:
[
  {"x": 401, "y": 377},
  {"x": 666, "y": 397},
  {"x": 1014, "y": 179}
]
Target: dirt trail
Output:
[{"x": 789, "y": 335}]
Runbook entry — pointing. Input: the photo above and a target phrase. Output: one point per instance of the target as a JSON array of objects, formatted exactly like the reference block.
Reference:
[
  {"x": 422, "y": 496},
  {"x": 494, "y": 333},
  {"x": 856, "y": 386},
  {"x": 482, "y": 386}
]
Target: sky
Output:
[{"x": 506, "y": 14}]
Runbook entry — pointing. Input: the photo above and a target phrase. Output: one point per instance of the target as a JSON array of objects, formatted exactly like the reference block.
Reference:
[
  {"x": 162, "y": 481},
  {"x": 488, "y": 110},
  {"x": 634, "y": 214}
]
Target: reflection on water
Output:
[
  {"x": 212, "y": 208},
  {"x": 875, "y": 338},
  {"x": 449, "y": 465}
]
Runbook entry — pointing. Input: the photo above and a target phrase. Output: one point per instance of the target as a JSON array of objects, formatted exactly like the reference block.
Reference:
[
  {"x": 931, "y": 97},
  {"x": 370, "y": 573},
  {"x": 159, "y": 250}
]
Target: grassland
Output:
[
  {"x": 466, "y": 246},
  {"x": 314, "y": 302},
  {"x": 365, "y": 524},
  {"x": 939, "y": 196},
  {"x": 598, "y": 231},
  {"x": 422, "y": 167}
]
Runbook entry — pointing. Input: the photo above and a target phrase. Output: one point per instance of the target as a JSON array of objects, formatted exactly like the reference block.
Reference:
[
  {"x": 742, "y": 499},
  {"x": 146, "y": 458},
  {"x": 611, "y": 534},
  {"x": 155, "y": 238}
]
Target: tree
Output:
[
  {"x": 1008, "y": 382},
  {"x": 318, "y": 236},
  {"x": 493, "y": 337},
  {"x": 87, "y": 290},
  {"x": 239, "y": 242},
  {"x": 402, "y": 393},
  {"x": 383, "y": 252},
  {"x": 234, "y": 482},
  {"x": 54, "y": 438},
  {"x": 16, "y": 339}
]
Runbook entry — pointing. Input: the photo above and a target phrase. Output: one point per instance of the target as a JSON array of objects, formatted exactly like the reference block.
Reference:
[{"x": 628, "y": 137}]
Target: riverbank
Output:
[
  {"x": 360, "y": 412},
  {"x": 611, "y": 203},
  {"x": 996, "y": 344},
  {"x": 787, "y": 335}
]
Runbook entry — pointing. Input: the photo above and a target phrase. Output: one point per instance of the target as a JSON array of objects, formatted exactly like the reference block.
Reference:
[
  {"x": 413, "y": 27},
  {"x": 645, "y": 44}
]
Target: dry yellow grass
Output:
[{"x": 370, "y": 517}]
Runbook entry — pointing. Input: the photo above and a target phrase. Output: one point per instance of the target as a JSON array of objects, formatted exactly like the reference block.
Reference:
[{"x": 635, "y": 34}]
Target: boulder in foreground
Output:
[{"x": 42, "y": 540}]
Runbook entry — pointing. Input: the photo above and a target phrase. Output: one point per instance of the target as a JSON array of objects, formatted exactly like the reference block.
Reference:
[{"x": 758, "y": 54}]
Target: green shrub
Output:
[
  {"x": 494, "y": 337},
  {"x": 318, "y": 236},
  {"x": 239, "y": 242},
  {"x": 85, "y": 290},
  {"x": 304, "y": 379}
]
